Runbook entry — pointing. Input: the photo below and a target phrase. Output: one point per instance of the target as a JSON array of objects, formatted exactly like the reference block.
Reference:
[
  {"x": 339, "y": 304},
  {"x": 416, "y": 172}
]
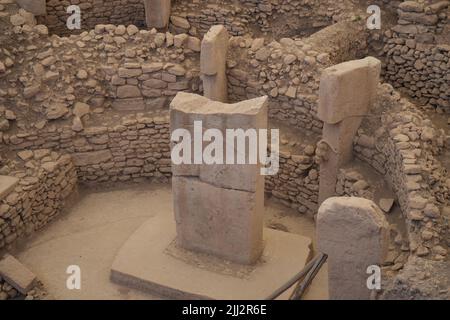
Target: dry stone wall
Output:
[
  {"x": 288, "y": 71},
  {"x": 296, "y": 185},
  {"x": 132, "y": 150},
  {"x": 93, "y": 12},
  {"x": 352, "y": 183},
  {"x": 72, "y": 78},
  {"x": 284, "y": 18},
  {"x": 403, "y": 147},
  {"x": 418, "y": 53},
  {"x": 46, "y": 181}
]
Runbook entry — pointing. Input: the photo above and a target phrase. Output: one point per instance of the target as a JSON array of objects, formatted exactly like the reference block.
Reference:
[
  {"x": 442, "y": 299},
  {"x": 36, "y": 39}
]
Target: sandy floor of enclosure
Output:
[{"x": 90, "y": 234}]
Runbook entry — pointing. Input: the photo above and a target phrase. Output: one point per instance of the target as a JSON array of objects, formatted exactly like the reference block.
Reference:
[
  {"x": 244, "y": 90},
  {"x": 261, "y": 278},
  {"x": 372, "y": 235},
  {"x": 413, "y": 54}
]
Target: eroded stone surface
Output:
[
  {"x": 353, "y": 232},
  {"x": 219, "y": 208},
  {"x": 346, "y": 92},
  {"x": 213, "y": 56},
  {"x": 19, "y": 276},
  {"x": 7, "y": 184},
  {"x": 157, "y": 13}
]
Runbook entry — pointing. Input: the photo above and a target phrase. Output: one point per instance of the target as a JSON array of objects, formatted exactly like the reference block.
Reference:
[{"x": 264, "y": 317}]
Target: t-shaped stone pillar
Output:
[
  {"x": 157, "y": 13},
  {"x": 354, "y": 233},
  {"x": 213, "y": 59},
  {"x": 346, "y": 92},
  {"x": 36, "y": 7},
  {"x": 218, "y": 207}
]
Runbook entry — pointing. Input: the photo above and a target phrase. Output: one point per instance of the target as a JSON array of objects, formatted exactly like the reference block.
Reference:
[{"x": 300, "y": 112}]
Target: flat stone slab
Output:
[
  {"x": 151, "y": 261},
  {"x": 128, "y": 104},
  {"x": 16, "y": 274},
  {"x": 7, "y": 184}
]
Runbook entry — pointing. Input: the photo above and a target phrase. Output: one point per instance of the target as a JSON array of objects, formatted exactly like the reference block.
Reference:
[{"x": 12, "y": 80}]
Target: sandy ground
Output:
[{"x": 91, "y": 232}]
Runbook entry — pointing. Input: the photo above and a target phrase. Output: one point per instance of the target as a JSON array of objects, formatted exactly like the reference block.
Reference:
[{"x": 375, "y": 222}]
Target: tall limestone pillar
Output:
[
  {"x": 354, "y": 233},
  {"x": 346, "y": 93},
  {"x": 218, "y": 206},
  {"x": 213, "y": 59},
  {"x": 157, "y": 13}
]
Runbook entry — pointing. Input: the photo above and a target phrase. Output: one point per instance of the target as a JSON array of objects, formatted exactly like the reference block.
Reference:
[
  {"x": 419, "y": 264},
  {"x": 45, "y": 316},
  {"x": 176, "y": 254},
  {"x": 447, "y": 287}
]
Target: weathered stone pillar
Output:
[
  {"x": 353, "y": 232},
  {"x": 36, "y": 7},
  {"x": 157, "y": 13},
  {"x": 346, "y": 92},
  {"x": 213, "y": 59},
  {"x": 219, "y": 207}
]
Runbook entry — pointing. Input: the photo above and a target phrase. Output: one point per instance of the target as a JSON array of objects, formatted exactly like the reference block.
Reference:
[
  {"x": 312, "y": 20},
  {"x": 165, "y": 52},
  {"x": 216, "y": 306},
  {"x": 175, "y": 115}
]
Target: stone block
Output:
[
  {"x": 226, "y": 223},
  {"x": 218, "y": 206},
  {"x": 157, "y": 13},
  {"x": 354, "y": 233},
  {"x": 251, "y": 114},
  {"x": 131, "y": 104},
  {"x": 16, "y": 274},
  {"x": 348, "y": 89},
  {"x": 81, "y": 159}
]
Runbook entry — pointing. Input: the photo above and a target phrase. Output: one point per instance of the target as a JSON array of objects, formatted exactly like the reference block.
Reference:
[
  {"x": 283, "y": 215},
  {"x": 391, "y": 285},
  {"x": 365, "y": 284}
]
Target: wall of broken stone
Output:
[
  {"x": 46, "y": 182},
  {"x": 288, "y": 71},
  {"x": 139, "y": 85},
  {"x": 277, "y": 19},
  {"x": 138, "y": 149},
  {"x": 296, "y": 185},
  {"x": 93, "y": 12},
  {"x": 352, "y": 183},
  {"x": 401, "y": 144},
  {"x": 417, "y": 53},
  {"x": 130, "y": 150},
  {"x": 135, "y": 69}
]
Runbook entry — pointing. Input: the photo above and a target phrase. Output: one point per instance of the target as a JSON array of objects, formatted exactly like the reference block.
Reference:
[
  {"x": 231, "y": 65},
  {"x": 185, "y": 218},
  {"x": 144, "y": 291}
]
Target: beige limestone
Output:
[
  {"x": 353, "y": 232},
  {"x": 219, "y": 208},
  {"x": 147, "y": 261},
  {"x": 93, "y": 157},
  {"x": 129, "y": 104},
  {"x": 36, "y": 7},
  {"x": 213, "y": 55},
  {"x": 348, "y": 89},
  {"x": 223, "y": 222},
  {"x": 157, "y": 13},
  {"x": 16, "y": 274},
  {"x": 251, "y": 114},
  {"x": 7, "y": 184},
  {"x": 346, "y": 93}
]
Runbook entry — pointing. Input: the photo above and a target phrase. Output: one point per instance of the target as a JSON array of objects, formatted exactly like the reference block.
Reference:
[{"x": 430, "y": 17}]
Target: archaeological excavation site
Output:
[{"x": 224, "y": 150}]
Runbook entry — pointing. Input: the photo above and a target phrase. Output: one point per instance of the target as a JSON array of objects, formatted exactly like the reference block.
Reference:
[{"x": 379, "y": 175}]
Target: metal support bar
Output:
[
  {"x": 305, "y": 283},
  {"x": 314, "y": 262}
]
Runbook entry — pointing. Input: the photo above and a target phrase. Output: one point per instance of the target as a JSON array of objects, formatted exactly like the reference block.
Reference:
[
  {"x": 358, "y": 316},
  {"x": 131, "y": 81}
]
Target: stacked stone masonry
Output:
[
  {"x": 284, "y": 18},
  {"x": 62, "y": 83},
  {"x": 418, "y": 54},
  {"x": 403, "y": 149},
  {"x": 133, "y": 150},
  {"x": 46, "y": 181},
  {"x": 93, "y": 12}
]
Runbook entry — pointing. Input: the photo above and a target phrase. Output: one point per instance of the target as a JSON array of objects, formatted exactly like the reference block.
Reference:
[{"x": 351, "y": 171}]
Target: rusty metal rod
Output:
[
  {"x": 294, "y": 279},
  {"x": 306, "y": 282}
]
